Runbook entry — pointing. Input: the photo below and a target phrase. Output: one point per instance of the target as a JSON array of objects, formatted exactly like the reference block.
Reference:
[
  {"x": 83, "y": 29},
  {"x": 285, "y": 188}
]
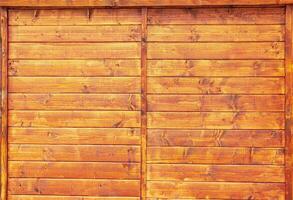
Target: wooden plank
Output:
[
  {"x": 76, "y": 17},
  {"x": 199, "y": 190},
  {"x": 239, "y": 50},
  {"x": 258, "y": 15},
  {"x": 82, "y": 119},
  {"x": 76, "y": 170},
  {"x": 124, "y": 136},
  {"x": 223, "y": 68},
  {"x": 53, "y": 197},
  {"x": 207, "y": 85},
  {"x": 88, "y": 153},
  {"x": 288, "y": 108},
  {"x": 74, "y": 33},
  {"x": 46, "y": 51},
  {"x": 4, "y": 101},
  {"x": 91, "y": 187},
  {"x": 144, "y": 104},
  {"x": 216, "y": 155},
  {"x": 214, "y": 33},
  {"x": 215, "y": 120},
  {"x": 74, "y": 102},
  {"x": 214, "y": 138},
  {"x": 86, "y": 68},
  {"x": 229, "y": 173},
  {"x": 138, "y": 3},
  {"x": 74, "y": 85},
  {"x": 212, "y": 102}
]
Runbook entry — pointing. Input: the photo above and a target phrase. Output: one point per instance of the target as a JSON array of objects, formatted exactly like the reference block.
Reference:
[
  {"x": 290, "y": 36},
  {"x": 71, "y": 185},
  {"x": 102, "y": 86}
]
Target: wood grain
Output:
[{"x": 53, "y": 197}]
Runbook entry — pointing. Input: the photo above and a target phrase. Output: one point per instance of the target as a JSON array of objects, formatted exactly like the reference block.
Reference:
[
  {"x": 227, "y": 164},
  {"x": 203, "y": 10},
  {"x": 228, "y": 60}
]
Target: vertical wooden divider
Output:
[
  {"x": 4, "y": 137},
  {"x": 143, "y": 102},
  {"x": 288, "y": 109}
]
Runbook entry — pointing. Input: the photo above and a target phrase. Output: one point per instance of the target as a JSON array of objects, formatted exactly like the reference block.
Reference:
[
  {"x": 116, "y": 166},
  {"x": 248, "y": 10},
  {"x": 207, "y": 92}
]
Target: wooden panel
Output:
[
  {"x": 53, "y": 197},
  {"x": 111, "y": 153},
  {"x": 215, "y": 103},
  {"x": 237, "y": 173},
  {"x": 86, "y": 119},
  {"x": 217, "y": 16},
  {"x": 229, "y": 85},
  {"x": 74, "y": 33},
  {"x": 224, "y": 68},
  {"x": 216, "y": 120},
  {"x": 224, "y": 138},
  {"x": 74, "y": 102},
  {"x": 73, "y": 187},
  {"x": 80, "y": 170},
  {"x": 244, "y": 50},
  {"x": 86, "y": 68},
  {"x": 75, "y": 17},
  {"x": 74, "y": 136},
  {"x": 199, "y": 190},
  {"x": 74, "y": 84},
  {"x": 215, "y": 33},
  {"x": 45, "y": 51},
  {"x": 216, "y": 155}
]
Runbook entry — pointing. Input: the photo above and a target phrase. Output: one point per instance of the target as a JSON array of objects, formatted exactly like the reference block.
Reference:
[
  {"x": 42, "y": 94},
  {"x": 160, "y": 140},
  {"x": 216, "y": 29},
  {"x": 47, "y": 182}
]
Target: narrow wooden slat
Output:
[
  {"x": 53, "y": 197},
  {"x": 199, "y": 190},
  {"x": 244, "y": 50},
  {"x": 74, "y": 187},
  {"x": 224, "y": 68},
  {"x": 109, "y": 153},
  {"x": 45, "y": 51},
  {"x": 75, "y": 17},
  {"x": 86, "y": 68},
  {"x": 215, "y": 33},
  {"x": 215, "y": 102},
  {"x": 98, "y": 119},
  {"x": 74, "y": 84},
  {"x": 80, "y": 170},
  {"x": 74, "y": 33},
  {"x": 229, "y": 85},
  {"x": 217, "y": 16},
  {"x": 74, "y": 102},
  {"x": 216, "y": 155},
  {"x": 222, "y": 138},
  {"x": 234, "y": 173},
  {"x": 76, "y": 136}
]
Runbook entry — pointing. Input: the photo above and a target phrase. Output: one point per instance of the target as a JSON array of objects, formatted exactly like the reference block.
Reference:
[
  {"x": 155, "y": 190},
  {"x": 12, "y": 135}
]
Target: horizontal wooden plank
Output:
[
  {"x": 234, "y": 173},
  {"x": 53, "y": 197},
  {"x": 214, "y": 102},
  {"x": 215, "y": 33},
  {"x": 45, "y": 51},
  {"x": 238, "y": 50},
  {"x": 216, "y": 120},
  {"x": 259, "y": 15},
  {"x": 224, "y": 68},
  {"x": 74, "y": 17},
  {"x": 74, "y": 102},
  {"x": 73, "y": 187},
  {"x": 74, "y": 84},
  {"x": 71, "y": 68},
  {"x": 85, "y": 119},
  {"x": 200, "y": 190},
  {"x": 224, "y": 138},
  {"x": 103, "y": 153},
  {"x": 77, "y": 170},
  {"x": 125, "y": 136},
  {"x": 137, "y": 3},
  {"x": 206, "y": 85},
  {"x": 74, "y": 33},
  {"x": 216, "y": 155}
]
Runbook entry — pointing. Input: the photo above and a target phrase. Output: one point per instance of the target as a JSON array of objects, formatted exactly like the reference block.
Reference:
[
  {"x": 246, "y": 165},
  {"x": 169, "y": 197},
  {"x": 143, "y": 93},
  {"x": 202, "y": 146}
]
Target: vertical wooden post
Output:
[
  {"x": 4, "y": 138},
  {"x": 143, "y": 103},
  {"x": 288, "y": 108}
]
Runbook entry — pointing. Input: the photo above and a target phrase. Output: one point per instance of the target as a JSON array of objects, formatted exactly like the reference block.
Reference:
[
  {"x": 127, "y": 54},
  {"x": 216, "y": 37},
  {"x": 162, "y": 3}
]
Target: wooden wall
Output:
[{"x": 214, "y": 80}]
